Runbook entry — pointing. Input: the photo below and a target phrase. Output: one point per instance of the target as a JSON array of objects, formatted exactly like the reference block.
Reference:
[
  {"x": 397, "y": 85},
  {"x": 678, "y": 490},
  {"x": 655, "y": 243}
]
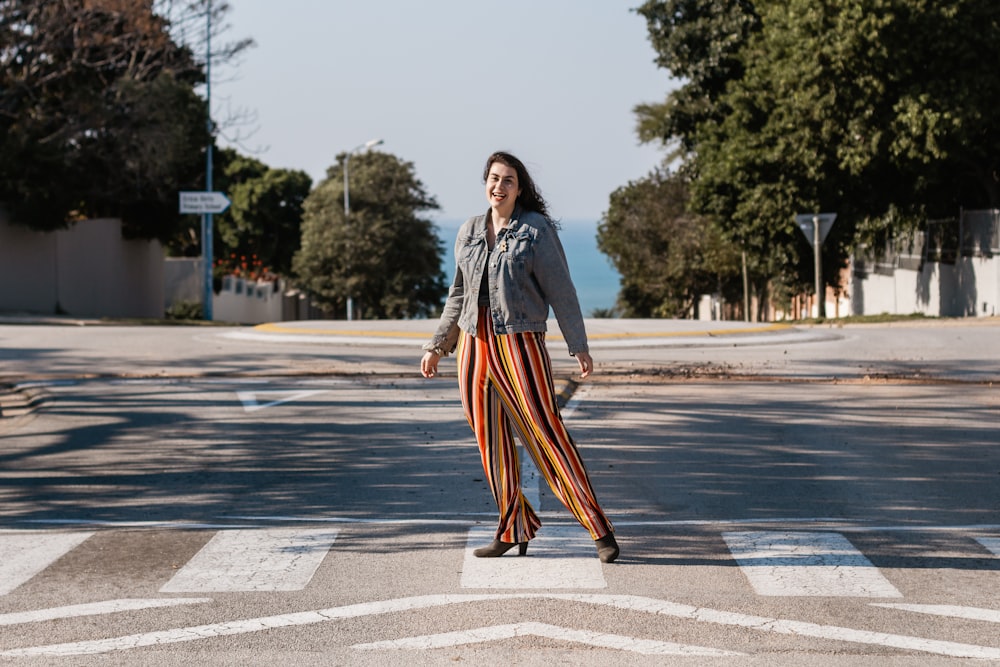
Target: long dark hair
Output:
[{"x": 530, "y": 198}]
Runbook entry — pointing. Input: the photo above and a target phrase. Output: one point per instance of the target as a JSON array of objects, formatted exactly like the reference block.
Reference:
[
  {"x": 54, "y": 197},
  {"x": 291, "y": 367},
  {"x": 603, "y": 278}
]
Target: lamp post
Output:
[
  {"x": 363, "y": 147},
  {"x": 347, "y": 200}
]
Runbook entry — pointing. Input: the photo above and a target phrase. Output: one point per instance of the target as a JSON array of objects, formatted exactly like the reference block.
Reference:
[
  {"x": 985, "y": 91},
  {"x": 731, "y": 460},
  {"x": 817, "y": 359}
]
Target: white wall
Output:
[
  {"x": 88, "y": 270},
  {"x": 247, "y": 301},
  {"x": 968, "y": 288}
]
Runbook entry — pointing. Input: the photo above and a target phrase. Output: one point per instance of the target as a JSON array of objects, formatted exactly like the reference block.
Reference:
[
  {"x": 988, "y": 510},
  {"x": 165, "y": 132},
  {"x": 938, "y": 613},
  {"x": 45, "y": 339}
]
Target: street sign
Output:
[
  {"x": 805, "y": 222},
  {"x": 203, "y": 202}
]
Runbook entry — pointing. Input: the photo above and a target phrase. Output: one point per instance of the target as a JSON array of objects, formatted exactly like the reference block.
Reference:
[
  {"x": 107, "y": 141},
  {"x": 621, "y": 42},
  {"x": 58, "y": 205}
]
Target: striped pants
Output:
[{"x": 506, "y": 385}]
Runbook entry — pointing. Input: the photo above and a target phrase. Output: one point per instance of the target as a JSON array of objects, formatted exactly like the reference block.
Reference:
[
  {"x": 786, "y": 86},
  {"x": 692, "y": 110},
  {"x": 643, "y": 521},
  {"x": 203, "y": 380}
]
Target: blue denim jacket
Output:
[{"x": 526, "y": 272}]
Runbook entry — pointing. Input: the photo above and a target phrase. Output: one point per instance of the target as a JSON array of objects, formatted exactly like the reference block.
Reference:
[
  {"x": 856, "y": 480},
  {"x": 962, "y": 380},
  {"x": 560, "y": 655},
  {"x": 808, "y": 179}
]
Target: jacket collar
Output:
[{"x": 514, "y": 218}]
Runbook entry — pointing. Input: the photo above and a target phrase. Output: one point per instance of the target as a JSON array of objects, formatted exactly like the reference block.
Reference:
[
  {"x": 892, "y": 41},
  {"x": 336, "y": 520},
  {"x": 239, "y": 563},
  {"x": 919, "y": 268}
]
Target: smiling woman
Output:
[{"x": 511, "y": 268}]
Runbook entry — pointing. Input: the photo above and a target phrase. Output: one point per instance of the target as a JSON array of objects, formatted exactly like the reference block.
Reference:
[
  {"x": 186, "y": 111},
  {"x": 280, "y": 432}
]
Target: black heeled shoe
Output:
[
  {"x": 498, "y": 548},
  {"x": 607, "y": 548}
]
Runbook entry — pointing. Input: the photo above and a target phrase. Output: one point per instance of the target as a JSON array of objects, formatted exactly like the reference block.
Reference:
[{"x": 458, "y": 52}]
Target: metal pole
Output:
[
  {"x": 347, "y": 199},
  {"x": 206, "y": 227},
  {"x": 347, "y": 203},
  {"x": 347, "y": 213},
  {"x": 817, "y": 256},
  {"x": 746, "y": 288}
]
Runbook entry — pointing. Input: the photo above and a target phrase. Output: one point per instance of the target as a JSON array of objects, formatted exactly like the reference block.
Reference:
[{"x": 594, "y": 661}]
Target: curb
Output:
[{"x": 18, "y": 401}]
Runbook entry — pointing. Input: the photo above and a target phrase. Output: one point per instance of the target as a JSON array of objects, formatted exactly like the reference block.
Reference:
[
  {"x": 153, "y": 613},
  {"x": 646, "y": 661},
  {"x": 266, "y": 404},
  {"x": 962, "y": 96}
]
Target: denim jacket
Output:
[{"x": 526, "y": 273}]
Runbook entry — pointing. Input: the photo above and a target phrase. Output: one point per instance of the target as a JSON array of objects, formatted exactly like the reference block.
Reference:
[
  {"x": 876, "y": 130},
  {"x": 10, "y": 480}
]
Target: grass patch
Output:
[{"x": 883, "y": 318}]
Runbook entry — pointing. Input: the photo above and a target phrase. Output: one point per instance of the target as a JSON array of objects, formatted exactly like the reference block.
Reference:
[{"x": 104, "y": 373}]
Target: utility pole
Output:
[{"x": 208, "y": 257}]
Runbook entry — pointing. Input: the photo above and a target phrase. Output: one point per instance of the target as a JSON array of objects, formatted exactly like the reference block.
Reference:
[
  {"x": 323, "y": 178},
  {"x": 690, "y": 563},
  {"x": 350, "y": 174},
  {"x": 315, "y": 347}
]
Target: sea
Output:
[{"x": 596, "y": 280}]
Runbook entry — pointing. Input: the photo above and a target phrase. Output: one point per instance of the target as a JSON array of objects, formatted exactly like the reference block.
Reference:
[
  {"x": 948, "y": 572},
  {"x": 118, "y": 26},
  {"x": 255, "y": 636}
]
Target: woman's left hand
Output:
[{"x": 586, "y": 363}]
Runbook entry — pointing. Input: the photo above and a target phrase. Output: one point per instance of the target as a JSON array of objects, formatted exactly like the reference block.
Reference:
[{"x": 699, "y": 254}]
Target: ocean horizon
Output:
[{"x": 596, "y": 280}]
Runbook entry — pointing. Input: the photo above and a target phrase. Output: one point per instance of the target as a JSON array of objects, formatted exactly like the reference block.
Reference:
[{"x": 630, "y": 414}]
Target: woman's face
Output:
[{"x": 502, "y": 187}]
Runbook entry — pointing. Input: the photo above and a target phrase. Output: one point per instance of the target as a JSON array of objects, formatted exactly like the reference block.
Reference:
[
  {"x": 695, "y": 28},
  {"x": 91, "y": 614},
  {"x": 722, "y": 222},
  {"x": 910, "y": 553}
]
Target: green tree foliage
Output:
[
  {"x": 699, "y": 42},
  {"x": 262, "y": 226},
  {"x": 383, "y": 256},
  {"x": 98, "y": 113},
  {"x": 666, "y": 256},
  {"x": 880, "y": 110}
]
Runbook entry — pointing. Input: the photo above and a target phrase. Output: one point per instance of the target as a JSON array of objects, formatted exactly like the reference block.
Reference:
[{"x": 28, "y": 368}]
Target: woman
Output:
[{"x": 510, "y": 269}]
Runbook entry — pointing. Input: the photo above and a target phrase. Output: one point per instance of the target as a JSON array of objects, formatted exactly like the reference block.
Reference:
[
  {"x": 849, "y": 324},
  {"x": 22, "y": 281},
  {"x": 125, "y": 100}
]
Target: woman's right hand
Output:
[{"x": 429, "y": 364}]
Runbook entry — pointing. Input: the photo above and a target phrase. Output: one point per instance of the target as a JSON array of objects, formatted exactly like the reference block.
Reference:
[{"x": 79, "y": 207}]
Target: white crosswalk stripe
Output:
[
  {"x": 25, "y": 553},
  {"x": 559, "y": 557},
  {"x": 273, "y": 559},
  {"x": 775, "y": 563},
  {"x": 806, "y": 564}
]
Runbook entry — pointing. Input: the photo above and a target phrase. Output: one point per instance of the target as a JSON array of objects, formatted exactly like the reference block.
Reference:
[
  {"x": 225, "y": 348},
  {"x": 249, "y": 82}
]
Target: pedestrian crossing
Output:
[
  {"x": 276, "y": 559},
  {"x": 774, "y": 563}
]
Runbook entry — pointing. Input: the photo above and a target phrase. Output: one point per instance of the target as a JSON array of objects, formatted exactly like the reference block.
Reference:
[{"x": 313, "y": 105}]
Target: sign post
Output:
[
  {"x": 205, "y": 204},
  {"x": 816, "y": 226}
]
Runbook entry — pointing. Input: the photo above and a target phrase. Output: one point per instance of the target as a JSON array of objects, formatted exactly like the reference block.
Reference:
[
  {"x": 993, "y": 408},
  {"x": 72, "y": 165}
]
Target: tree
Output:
[
  {"x": 98, "y": 114},
  {"x": 382, "y": 255},
  {"x": 700, "y": 43},
  {"x": 665, "y": 255},
  {"x": 880, "y": 110},
  {"x": 263, "y": 224}
]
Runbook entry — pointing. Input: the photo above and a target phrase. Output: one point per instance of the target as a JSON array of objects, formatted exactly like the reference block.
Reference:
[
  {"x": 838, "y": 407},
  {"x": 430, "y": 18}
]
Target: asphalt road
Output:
[{"x": 208, "y": 495}]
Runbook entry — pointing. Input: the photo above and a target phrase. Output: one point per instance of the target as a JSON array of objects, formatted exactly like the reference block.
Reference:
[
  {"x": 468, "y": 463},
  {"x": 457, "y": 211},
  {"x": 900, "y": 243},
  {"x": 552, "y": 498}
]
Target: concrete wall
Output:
[
  {"x": 238, "y": 300},
  {"x": 28, "y": 273},
  {"x": 248, "y": 301},
  {"x": 968, "y": 288},
  {"x": 88, "y": 270}
]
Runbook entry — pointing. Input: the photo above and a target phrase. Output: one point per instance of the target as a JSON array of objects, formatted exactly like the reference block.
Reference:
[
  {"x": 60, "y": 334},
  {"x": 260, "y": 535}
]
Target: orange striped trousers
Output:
[{"x": 506, "y": 386}]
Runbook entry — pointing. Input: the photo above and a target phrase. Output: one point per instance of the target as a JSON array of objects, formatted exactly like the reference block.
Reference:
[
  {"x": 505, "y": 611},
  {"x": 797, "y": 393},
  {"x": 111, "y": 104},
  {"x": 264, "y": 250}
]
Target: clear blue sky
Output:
[{"x": 446, "y": 82}]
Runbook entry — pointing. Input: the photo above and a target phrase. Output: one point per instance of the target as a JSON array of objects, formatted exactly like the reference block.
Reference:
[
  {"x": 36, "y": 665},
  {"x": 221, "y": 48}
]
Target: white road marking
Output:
[
  {"x": 786, "y": 627},
  {"x": 558, "y": 557},
  {"x": 951, "y": 611},
  {"x": 179, "y": 525},
  {"x": 806, "y": 564},
  {"x": 94, "y": 609},
  {"x": 273, "y": 559},
  {"x": 627, "y": 602},
  {"x": 251, "y": 404},
  {"x": 531, "y": 479},
  {"x": 498, "y": 632},
  {"x": 991, "y": 543},
  {"x": 23, "y": 554},
  {"x": 194, "y": 633}
]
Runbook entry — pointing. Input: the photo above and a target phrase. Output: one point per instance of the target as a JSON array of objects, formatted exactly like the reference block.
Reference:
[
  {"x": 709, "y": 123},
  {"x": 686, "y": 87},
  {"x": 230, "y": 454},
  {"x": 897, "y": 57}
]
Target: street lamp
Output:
[
  {"x": 363, "y": 147},
  {"x": 347, "y": 200}
]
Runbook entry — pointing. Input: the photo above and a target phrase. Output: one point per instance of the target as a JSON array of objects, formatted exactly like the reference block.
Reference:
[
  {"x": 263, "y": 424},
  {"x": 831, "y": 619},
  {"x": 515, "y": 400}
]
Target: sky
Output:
[{"x": 444, "y": 83}]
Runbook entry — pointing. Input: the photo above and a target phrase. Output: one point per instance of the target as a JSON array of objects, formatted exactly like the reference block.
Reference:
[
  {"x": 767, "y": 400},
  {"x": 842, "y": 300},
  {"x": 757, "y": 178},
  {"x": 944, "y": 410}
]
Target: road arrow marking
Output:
[
  {"x": 250, "y": 403},
  {"x": 991, "y": 543},
  {"x": 499, "y": 632}
]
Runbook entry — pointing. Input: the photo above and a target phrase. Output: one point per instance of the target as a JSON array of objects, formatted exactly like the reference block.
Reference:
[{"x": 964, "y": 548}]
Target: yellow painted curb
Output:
[
  {"x": 685, "y": 334},
  {"x": 279, "y": 329}
]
